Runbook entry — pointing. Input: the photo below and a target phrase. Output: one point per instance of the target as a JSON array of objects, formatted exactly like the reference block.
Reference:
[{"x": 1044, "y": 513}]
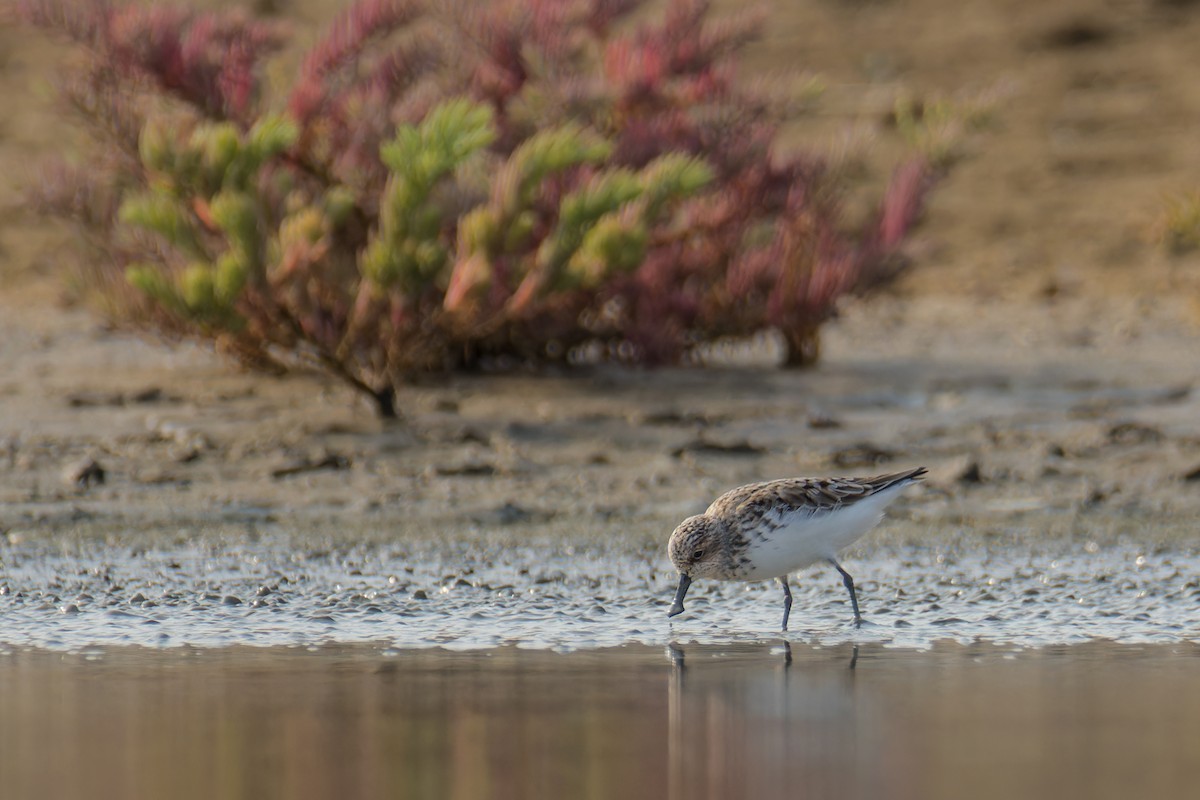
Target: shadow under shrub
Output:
[{"x": 445, "y": 186}]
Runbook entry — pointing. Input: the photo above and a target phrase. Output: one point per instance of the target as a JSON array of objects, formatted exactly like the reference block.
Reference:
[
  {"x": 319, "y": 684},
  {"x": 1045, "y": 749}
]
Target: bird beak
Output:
[{"x": 677, "y": 607}]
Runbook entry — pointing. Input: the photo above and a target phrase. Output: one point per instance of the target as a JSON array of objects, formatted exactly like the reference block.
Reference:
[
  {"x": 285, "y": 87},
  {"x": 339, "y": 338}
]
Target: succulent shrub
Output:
[{"x": 444, "y": 186}]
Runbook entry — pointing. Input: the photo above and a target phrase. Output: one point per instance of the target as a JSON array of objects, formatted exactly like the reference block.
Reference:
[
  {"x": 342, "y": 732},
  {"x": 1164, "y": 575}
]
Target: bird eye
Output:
[{"x": 697, "y": 555}]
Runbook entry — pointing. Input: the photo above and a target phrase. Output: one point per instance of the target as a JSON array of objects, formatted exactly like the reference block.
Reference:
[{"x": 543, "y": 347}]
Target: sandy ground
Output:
[
  {"x": 1041, "y": 356},
  {"x": 1033, "y": 421}
]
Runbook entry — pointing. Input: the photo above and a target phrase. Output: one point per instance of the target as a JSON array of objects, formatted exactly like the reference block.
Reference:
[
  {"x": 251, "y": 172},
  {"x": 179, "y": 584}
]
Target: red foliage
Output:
[
  {"x": 204, "y": 58},
  {"x": 336, "y": 54}
]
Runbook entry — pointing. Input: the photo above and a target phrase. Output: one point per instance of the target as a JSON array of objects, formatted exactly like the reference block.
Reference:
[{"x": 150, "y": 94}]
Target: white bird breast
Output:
[{"x": 804, "y": 538}]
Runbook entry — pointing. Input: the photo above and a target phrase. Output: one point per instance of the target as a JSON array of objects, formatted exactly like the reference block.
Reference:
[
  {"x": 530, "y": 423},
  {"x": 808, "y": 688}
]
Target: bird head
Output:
[{"x": 697, "y": 549}]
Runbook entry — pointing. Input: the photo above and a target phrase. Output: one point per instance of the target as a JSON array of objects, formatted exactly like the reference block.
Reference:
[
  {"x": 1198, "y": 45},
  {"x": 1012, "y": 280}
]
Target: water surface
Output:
[{"x": 746, "y": 719}]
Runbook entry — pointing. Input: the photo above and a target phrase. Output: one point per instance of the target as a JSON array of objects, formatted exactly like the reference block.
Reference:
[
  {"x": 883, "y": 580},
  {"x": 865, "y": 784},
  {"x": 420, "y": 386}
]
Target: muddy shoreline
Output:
[{"x": 1023, "y": 425}]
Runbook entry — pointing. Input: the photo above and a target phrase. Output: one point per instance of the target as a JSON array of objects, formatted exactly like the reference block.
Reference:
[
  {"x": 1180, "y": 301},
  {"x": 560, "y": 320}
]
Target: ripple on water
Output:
[{"x": 466, "y": 597}]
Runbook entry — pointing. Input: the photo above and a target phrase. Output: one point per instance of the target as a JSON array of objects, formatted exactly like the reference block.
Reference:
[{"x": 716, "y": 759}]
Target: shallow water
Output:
[
  {"x": 257, "y": 666},
  {"x": 738, "y": 719},
  {"x": 237, "y": 591}
]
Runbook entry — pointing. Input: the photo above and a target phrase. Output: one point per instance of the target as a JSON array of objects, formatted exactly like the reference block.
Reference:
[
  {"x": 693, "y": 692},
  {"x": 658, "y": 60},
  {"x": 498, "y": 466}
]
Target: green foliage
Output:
[
  {"x": 671, "y": 177},
  {"x": 339, "y": 204},
  {"x": 231, "y": 273},
  {"x": 406, "y": 252},
  {"x": 616, "y": 242},
  {"x": 580, "y": 210},
  {"x": 236, "y": 215},
  {"x": 157, "y": 212},
  {"x": 1179, "y": 226},
  {"x": 452, "y": 132},
  {"x": 545, "y": 153},
  {"x": 208, "y": 201},
  {"x": 602, "y": 230},
  {"x": 410, "y": 251},
  {"x": 938, "y": 126},
  {"x": 217, "y": 146},
  {"x": 150, "y": 280},
  {"x": 270, "y": 136}
]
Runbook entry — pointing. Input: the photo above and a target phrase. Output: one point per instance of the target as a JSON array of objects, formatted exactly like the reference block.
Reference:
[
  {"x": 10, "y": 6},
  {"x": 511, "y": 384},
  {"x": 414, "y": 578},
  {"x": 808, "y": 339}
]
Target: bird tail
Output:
[{"x": 884, "y": 482}]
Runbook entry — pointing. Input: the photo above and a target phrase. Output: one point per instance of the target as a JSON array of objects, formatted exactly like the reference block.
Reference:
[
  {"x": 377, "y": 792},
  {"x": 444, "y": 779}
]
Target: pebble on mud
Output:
[
  {"x": 704, "y": 445},
  {"x": 820, "y": 421},
  {"x": 84, "y": 474},
  {"x": 957, "y": 471},
  {"x": 509, "y": 513},
  {"x": 9, "y": 447},
  {"x": 1134, "y": 433},
  {"x": 330, "y": 461},
  {"x": 863, "y": 454},
  {"x": 469, "y": 469}
]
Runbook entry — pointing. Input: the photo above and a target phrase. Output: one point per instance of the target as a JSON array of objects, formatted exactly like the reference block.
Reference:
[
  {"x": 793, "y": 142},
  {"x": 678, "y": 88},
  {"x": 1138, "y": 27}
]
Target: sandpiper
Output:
[{"x": 769, "y": 530}]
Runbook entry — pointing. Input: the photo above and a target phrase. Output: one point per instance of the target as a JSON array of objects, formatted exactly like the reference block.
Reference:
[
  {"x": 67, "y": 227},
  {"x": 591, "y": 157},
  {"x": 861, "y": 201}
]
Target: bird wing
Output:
[{"x": 812, "y": 494}]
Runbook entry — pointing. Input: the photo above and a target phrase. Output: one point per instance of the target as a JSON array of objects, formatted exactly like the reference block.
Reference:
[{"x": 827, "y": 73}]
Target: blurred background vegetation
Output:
[
  {"x": 312, "y": 248},
  {"x": 446, "y": 187}
]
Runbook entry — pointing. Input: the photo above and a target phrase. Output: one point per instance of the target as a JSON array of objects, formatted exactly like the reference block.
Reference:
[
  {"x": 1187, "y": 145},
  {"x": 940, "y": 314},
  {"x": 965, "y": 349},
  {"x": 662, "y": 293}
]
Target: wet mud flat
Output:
[
  {"x": 576, "y": 594},
  {"x": 682, "y": 720},
  {"x": 1022, "y": 411}
]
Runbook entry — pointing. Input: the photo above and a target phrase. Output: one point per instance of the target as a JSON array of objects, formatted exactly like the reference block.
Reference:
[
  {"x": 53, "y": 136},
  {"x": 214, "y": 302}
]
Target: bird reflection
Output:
[
  {"x": 675, "y": 652},
  {"x": 746, "y": 717}
]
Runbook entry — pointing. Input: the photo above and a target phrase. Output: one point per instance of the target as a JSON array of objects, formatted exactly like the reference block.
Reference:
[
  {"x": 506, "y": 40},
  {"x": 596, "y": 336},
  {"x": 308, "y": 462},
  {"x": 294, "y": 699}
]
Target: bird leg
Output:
[
  {"x": 787, "y": 600},
  {"x": 848, "y": 582}
]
